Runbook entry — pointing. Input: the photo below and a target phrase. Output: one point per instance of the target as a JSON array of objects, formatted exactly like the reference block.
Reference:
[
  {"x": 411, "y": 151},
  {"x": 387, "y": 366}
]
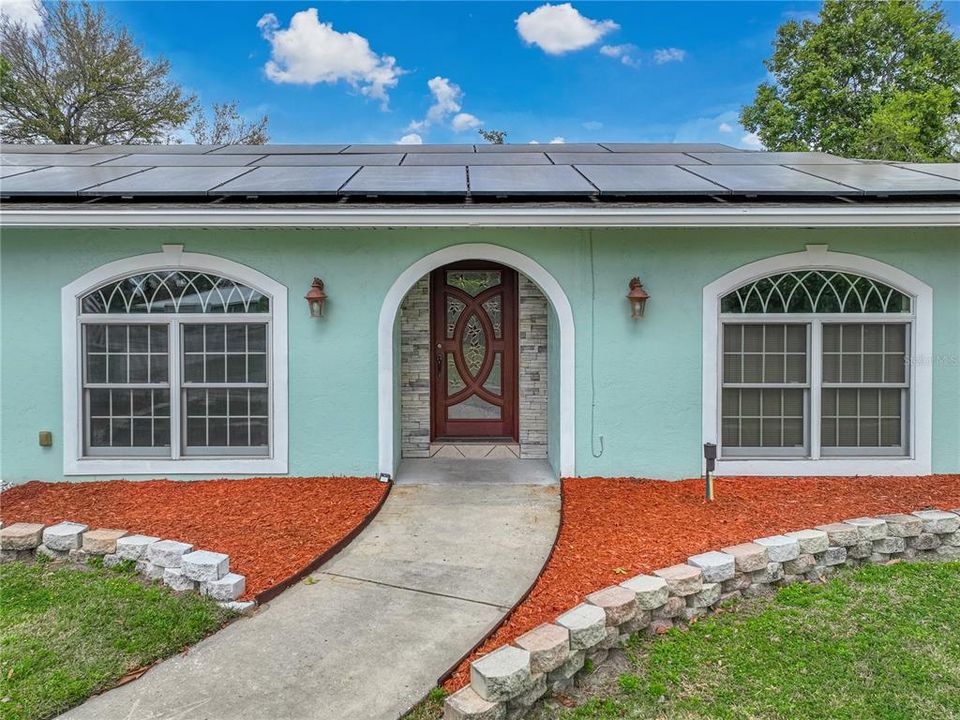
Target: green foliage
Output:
[
  {"x": 228, "y": 127},
  {"x": 431, "y": 708},
  {"x": 882, "y": 641},
  {"x": 494, "y": 137},
  {"x": 67, "y": 633},
  {"x": 628, "y": 683},
  {"x": 80, "y": 78},
  {"x": 869, "y": 80}
]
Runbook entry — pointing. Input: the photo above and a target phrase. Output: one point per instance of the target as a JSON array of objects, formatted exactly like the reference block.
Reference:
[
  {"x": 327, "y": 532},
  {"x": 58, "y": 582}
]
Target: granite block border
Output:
[
  {"x": 509, "y": 681},
  {"x": 177, "y": 564}
]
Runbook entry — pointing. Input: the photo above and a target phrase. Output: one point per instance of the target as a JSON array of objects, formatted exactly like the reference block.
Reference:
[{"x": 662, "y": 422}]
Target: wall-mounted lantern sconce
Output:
[
  {"x": 638, "y": 298},
  {"x": 316, "y": 297}
]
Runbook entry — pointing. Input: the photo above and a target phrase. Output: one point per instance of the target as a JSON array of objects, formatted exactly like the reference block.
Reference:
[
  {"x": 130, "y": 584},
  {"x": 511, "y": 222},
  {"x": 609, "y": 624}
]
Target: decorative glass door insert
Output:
[{"x": 474, "y": 348}]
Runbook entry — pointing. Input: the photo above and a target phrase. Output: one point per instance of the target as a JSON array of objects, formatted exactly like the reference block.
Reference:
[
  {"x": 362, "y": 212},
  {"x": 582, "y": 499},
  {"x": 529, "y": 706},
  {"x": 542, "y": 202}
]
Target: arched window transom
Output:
[
  {"x": 176, "y": 364},
  {"x": 815, "y": 363},
  {"x": 815, "y": 291},
  {"x": 174, "y": 291}
]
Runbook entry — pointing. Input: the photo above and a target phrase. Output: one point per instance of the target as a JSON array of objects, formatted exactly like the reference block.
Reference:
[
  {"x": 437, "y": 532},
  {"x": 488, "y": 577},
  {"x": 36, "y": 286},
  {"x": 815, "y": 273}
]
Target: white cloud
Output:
[
  {"x": 626, "y": 53},
  {"x": 465, "y": 121},
  {"x": 447, "y": 101},
  {"x": 411, "y": 139},
  {"x": 447, "y": 97},
  {"x": 558, "y": 29},
  {"x": 593, "y": 125},
  {"x": 666, "y": 55},
  {"x": 752, "y": 141},
  {"x": 725, "y": 127},
  {"x": 27, "y": 12},
  {"x": 311, "y": 52},
  {"x": 558, "y": 140}
]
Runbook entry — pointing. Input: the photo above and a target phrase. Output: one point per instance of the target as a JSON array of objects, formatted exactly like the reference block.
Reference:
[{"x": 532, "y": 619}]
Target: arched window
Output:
[
  {"x": 177, "y": 364},
  {"x": 818, "y": 363}
]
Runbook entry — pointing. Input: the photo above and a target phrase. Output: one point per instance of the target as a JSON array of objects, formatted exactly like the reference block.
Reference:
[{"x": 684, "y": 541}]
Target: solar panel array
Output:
[{"x": 567, "y": 171}]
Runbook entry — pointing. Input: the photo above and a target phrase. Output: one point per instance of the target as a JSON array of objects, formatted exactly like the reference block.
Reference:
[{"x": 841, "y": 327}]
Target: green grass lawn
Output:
[
  {"x": 66, "y": 633},
  {"x": 877, "y": 642}
]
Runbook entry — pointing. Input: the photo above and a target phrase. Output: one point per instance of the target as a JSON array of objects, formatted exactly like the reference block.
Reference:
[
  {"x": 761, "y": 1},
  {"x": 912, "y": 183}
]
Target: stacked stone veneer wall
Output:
[
  {"x": 175, "y": 563},
  {"x": 533, "y": 370},
  {"x": 507, "y": 682},
  {"x": 415, "y": 370}
]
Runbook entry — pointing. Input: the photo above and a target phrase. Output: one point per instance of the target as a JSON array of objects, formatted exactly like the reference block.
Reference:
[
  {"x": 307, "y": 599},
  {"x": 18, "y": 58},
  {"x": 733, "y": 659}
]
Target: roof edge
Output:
[{"x": 904, "y": 215}]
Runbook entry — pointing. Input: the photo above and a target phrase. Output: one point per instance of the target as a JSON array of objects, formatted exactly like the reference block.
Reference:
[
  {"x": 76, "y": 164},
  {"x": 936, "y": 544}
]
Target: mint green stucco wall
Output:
[{"x": 648, "y": 373}]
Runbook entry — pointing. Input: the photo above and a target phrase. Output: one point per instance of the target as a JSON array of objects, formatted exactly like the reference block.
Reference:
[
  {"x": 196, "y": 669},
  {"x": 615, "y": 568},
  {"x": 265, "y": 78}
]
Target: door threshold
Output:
[{"x": 475, "y": 450}]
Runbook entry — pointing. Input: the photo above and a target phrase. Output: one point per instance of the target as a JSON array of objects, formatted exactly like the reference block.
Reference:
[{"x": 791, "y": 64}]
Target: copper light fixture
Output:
[
  {"x": 638, "y": 298},
  {"x": 316, "y": 297}
]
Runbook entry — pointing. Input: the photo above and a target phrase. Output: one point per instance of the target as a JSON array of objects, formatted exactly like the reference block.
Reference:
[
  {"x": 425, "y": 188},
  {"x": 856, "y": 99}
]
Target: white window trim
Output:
[
  {"x": 919, "y": 460},
  {"x": 74, "y": 462}
]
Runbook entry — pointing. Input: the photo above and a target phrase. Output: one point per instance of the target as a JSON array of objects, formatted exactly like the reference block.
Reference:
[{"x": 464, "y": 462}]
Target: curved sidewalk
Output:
[{"x": 418, "y": 588}]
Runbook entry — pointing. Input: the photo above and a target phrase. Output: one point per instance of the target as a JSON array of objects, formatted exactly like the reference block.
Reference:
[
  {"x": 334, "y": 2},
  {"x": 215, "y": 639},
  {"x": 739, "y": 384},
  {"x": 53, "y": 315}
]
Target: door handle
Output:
[{"x": 439, "y": 359}]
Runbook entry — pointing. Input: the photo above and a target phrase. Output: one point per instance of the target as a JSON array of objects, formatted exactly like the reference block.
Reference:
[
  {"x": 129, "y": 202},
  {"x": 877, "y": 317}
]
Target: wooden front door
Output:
[{"x": 473, "y": 327}]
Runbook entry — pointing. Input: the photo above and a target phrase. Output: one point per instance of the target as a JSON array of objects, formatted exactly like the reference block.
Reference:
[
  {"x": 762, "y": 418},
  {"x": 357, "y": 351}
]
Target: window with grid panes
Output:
[
  {"x": 175, "y": 364},
  {"x": 814, "y": 364}
]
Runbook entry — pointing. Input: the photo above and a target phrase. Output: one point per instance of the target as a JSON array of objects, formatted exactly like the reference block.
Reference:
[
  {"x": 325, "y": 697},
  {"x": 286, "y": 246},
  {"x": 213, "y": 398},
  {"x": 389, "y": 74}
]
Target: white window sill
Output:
[
  {"x": 166, "y": 466},
  {"x": 825, "y": 466}
]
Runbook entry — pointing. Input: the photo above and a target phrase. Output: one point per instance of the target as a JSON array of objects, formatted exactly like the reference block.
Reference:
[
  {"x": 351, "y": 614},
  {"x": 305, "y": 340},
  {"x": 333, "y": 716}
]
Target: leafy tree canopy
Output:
[
  {"x": 80, "y": 78},
  {"x": 494, "y": 137},
  {"x": 228, "y": 127},
  {"x": 868, "y": 79}
]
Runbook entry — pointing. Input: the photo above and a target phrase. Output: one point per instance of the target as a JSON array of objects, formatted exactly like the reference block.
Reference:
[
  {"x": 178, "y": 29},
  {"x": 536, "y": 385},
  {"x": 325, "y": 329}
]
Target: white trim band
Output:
[{"x": 591, "y": 215}]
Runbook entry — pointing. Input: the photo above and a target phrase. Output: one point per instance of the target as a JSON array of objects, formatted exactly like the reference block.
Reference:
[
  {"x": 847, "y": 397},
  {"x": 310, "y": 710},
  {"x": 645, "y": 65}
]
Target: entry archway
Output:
[{"x": 548, "y": 285}]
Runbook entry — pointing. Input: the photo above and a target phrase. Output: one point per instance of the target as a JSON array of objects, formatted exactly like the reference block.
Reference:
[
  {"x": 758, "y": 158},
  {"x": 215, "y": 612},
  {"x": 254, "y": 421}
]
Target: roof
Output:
[{"x": 576, "y": 173}]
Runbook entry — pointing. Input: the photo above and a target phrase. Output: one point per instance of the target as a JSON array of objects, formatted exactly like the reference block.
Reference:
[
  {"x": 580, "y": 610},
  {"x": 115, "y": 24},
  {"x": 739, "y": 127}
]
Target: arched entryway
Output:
[{"x": 547, "y": 284}]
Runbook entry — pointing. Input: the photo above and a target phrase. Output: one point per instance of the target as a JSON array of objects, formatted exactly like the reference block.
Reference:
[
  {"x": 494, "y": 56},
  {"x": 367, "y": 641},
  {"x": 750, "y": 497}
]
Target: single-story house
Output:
[{"x": 206, "y": 311}]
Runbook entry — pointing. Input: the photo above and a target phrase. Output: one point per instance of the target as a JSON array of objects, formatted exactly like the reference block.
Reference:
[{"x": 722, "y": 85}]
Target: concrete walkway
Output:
[{"x": 423, "y": 583}]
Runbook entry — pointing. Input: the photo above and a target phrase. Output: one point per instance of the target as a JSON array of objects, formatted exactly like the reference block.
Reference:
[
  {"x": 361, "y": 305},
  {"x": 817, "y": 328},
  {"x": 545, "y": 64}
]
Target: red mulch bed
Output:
[
  {"x": 614, "y": 529},
  {"x": 270, "y": 527}
]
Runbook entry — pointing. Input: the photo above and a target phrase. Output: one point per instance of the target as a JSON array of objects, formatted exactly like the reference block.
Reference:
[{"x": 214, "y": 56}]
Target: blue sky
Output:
[{"x": 378, "y": 72}]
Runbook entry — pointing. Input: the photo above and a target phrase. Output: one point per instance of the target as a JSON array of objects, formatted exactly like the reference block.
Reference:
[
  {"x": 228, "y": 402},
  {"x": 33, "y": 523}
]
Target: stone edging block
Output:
[
  {"x": 507, "y": 682},
  {"x": 175, "y": 563}
]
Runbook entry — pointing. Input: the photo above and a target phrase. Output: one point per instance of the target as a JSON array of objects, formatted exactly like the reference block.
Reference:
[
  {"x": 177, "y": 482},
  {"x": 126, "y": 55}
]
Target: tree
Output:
[
  {"x": 81, "y": 78},
  {"x": 228, "y": 127},
  {"x": 494, "y": 137},
  {"x": 869, "y": 79}
]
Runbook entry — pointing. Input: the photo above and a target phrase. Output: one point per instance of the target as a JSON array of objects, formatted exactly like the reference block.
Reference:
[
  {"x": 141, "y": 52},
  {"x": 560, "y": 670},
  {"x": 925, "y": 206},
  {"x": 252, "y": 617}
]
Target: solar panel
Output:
[
  {"x": 288, "y": 181},
  {"x": 648, "y": 180},
  {"x": 885, "y": 179},
  {"x": 277, "y": 149},
  {"x": 317, "y": 160},
  {"x": 528, "y": 180},
  {"x": 449, "y": 148},
  {"x": 180, "y": 160},
  {"x": 49, "y": 148},
  {"x": 947, "y": 170},
  {"x": 54, "y": 159},
  {"x": 669, "y": 147},
  {"x": 177, "y": 149},
  {"x": 771, "y": 158},
  {"x": 769, "y": 180},
  {"x": 476, "y": 159},
  {"x": 539, "y": 147},
  {"x": 10, "y": 170},
  {"x": 408, "y": 180},
  {"x": 168, "y": 181},
  {"x": 62, "y": 180},
  {"x": 609, "y": 158}
]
